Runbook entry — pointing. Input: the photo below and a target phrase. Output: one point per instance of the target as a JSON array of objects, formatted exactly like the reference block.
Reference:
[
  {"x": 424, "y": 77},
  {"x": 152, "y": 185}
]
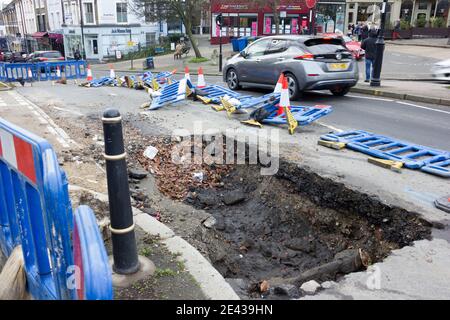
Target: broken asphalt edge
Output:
[
  {"x": 401, "y": 96},
  {"x": 211, "y": 282}
]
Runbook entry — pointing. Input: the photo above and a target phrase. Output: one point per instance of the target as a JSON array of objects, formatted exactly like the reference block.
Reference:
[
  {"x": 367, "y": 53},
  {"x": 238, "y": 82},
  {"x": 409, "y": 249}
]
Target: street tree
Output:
[{"x": 160, "y": 10}]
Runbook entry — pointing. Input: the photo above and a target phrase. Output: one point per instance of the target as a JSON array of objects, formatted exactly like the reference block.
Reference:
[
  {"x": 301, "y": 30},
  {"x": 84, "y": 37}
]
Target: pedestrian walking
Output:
[
  {"x": 358, "y": 31},
  {"x": 77, "y": 54},
  {"x": 396, "y": 32},
  {"x": 369, "y": 45},
  {"x": 364, "y": 32}
]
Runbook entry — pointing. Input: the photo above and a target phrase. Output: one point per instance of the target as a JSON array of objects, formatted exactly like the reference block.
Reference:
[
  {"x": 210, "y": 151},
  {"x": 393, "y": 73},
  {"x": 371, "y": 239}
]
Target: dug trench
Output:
[{"x": 268, "y": 235}]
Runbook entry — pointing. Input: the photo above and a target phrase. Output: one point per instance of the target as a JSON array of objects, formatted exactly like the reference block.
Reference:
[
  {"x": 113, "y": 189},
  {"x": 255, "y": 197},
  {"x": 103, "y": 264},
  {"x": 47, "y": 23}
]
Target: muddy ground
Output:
[{"x": 257, "y": 228}]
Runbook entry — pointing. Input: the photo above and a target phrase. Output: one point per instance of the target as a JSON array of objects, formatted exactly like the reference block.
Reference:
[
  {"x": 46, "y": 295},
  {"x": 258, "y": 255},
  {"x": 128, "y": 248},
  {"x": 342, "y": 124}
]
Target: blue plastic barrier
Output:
[
  {"x": 171, "y": 93},
  {"x": 438, "y": 168},
  {"x": 412, "y": 156},
  {"x": 35, "y": 212},
  {"x": 303, "y": 115},
  {"x": 43, "y": 71},
  {"x": 273, "y": 98},
  {"x": 215, "y": 92},
  {"x": 346, "y": 136}
]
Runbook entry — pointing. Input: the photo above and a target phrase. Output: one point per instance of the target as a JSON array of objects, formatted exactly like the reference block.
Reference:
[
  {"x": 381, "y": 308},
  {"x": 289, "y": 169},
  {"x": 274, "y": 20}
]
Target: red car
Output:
[{"x": 353, "y": 46}]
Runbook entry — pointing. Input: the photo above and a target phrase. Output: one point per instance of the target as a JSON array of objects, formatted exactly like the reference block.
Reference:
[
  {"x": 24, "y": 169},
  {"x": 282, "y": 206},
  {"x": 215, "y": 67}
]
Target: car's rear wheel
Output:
[
  {"x": 340, "y": 91},
  {"x": 233, "y": 80},
  {"x": 294, "y": 92}
]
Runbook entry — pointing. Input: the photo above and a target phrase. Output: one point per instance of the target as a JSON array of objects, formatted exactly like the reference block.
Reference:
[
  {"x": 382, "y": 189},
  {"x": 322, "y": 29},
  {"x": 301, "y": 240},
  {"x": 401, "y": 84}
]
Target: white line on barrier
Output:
[{"x": 422, "y": 107}]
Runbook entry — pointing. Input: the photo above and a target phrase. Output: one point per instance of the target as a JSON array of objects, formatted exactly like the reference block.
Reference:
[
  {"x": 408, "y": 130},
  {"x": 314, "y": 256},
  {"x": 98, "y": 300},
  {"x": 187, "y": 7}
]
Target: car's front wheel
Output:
[
  {"x": 340, "y": 91},
  {"x": 294, "y": 92},
  {"x": 233, "y": 80}
]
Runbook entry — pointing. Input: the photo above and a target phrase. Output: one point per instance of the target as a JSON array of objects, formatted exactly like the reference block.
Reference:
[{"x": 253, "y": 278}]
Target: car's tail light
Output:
[
  {"x": 61, "y": 58},
  {"x": 43, "y": 59},
  {"x": 306, "y": 56}
]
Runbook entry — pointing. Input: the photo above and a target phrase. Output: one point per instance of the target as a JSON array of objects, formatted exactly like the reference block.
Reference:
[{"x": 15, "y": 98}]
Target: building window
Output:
[
  {"x": 423, "y": 5},
  {"x": 351, "y": 6},
  {"x": 89, "y": 13},
  {"x": 121, "y": 9},
  {"x": 150, "y": 38}
]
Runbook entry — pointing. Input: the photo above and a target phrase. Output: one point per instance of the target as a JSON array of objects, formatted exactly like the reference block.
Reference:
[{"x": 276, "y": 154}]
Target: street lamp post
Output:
[
  {"x": 82, "y": 31},
  {"x": 219, "y": 24},
  {"x": 375, "y": 80}
]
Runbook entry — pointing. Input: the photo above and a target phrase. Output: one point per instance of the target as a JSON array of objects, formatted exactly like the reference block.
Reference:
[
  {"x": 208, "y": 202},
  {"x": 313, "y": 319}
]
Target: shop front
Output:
[
  {"x": 330, "y": 16},
  {"x": 248, "y": 19}
]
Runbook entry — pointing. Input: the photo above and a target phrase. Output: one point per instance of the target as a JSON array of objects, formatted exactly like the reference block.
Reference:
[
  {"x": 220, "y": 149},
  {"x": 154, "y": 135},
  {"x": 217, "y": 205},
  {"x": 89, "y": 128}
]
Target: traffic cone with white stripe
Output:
[
  {"x": 279, "y": 85},
  {"x": 285, "y": 107},
  {"x": 89, "y": 74},
  {"x": 201, "y": 79},
  {"x": 30, "y": 76},
  {"x": 58, "y": 72},
  {"x": 284, "y": 98},
  {"x": 186, "y": 73},
  {"x": 112, "y": 73}
]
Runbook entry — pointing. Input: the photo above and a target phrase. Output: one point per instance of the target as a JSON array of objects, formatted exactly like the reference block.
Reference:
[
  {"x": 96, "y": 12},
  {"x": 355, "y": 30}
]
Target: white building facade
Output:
[{"x": 108, "y": 26}]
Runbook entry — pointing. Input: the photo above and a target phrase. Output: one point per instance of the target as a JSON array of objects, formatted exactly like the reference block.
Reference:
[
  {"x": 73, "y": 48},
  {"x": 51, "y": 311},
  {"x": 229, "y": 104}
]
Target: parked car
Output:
[
  {"x": 2, "y": 56},
  {"x": 46, "y": 56},
  {"x": 441, "y": 70},
  {"x": 352, "y": 45},
  {"x": 308, "y": 62},
  {"x": 15, "y": 57}
]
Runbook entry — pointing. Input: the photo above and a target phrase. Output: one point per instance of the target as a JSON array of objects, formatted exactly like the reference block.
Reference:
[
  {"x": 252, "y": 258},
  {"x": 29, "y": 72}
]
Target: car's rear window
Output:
[
  {"x": 51, "y": 55},
  {"x": 324, "y": 46}
]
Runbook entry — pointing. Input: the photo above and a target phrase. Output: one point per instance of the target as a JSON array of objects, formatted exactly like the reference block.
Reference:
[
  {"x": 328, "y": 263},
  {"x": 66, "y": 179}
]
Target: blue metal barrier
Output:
[
  {"x": 35, "y": 212},
  {"x": 215, "y": 92},
  {"x": 43, "y": 71},
  {"x": 412, "y": 156},
  {"x": 303, "y": 115},
  {"x": 172, "y": 93}
]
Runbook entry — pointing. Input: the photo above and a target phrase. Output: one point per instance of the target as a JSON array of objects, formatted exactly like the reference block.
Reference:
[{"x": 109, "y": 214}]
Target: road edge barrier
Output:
[
  {"x": 36, "y": 213},
  {"x": 43, "y": 71}
]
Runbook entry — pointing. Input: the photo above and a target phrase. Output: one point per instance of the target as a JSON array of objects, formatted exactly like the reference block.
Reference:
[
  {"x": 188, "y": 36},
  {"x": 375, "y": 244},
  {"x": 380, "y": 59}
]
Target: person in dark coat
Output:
[
  {"x": 369, "y": 45},
  {"x": 364, "y": 32}
]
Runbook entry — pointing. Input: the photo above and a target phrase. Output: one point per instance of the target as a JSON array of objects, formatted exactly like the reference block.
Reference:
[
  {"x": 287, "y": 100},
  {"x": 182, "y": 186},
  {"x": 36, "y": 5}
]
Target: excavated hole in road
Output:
[{"x": 276, "y": 228}]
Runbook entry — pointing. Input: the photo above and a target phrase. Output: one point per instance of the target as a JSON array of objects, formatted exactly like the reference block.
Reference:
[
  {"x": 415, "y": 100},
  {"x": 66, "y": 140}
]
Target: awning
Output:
[{"x": 40, "y": 34}]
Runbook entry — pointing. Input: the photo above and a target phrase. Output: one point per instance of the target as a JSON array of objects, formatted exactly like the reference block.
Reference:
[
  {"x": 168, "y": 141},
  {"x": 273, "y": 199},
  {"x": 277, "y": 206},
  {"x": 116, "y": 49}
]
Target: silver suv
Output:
[{"x": 308, "y": 62}]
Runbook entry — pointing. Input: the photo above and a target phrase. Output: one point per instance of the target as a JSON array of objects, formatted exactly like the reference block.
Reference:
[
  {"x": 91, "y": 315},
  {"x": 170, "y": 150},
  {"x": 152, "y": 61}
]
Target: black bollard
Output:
[{"x": 122, "y": 226}]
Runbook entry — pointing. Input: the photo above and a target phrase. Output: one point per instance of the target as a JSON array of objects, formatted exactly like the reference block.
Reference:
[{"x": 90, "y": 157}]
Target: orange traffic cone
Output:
[
  {"x": 186, "y": 73},
  {"x": 112, "y": 73},
  {"x": 201, "y": 79},
  {"x": 89, "y": 74},
  {"x": 284, "y": 99},
  {"x": 30, "y": 76},
  {"x": 279, "y": 85}
]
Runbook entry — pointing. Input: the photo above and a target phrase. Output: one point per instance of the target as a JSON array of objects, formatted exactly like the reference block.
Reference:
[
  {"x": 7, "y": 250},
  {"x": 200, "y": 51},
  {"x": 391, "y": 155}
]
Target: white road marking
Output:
[
  {"x": 422, "y": 107},
  {"x": 329, "y": 126},
  {"x": 369, "y": 98},
  {"x": 61, "y": 136}
]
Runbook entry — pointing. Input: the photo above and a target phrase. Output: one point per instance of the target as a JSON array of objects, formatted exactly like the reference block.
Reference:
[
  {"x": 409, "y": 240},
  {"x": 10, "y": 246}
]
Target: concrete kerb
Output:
[
  {"x": 418, "y": 45},
  {"x": 401, "y": 96},
  {"x": 211, "y": 282}
]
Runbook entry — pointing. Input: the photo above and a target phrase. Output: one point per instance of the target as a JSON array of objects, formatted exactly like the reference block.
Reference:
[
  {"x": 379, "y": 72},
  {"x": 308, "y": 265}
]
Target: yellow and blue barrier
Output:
[
  {"x": 36, "y": 213},
  {"x": 43, "y": 71}
]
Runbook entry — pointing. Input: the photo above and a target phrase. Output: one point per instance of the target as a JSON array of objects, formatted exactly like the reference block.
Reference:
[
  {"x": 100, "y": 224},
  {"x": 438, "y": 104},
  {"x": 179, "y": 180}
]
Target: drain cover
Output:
[{"x": 443, "y": 204}]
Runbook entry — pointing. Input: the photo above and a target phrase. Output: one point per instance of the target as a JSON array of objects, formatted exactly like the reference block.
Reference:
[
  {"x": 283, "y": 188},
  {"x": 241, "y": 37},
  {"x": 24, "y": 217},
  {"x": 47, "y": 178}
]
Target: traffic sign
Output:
[{"x": 310, "y": 3}]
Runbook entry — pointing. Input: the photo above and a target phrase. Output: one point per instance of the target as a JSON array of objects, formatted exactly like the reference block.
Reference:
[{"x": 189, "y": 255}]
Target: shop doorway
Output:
[{"x": 92, "y": 51}]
